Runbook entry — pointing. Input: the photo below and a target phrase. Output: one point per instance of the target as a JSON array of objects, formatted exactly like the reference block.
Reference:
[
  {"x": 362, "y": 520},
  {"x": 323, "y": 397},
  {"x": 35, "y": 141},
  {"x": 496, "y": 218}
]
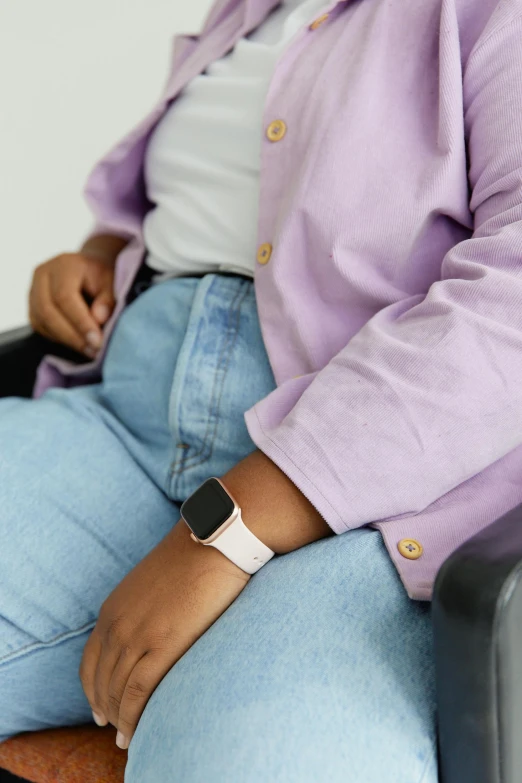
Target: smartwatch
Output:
[{"x": 214, "y": 519}]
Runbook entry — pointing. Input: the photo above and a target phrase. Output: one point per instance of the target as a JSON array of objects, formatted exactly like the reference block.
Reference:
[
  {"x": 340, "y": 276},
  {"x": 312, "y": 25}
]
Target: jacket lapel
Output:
[
  {"x": 228, "y": 21},
  {"x": 218, "y": 11},
  {"x": 115, "y": 185}
]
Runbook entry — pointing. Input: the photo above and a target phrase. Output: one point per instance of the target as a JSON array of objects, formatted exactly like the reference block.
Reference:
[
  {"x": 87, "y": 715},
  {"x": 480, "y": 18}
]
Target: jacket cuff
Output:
[
  {"x": 106, "y": 228},
  {"x": 295, "y": 473}
]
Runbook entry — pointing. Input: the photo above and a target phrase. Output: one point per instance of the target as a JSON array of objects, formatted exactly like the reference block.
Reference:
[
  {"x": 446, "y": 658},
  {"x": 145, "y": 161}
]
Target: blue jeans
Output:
[{"x": 321, "y": 670}]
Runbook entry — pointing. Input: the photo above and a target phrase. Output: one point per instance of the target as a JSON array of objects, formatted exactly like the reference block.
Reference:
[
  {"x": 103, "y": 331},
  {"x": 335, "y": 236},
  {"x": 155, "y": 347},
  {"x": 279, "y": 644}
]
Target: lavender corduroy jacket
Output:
[{"x": 391, "y": 304}]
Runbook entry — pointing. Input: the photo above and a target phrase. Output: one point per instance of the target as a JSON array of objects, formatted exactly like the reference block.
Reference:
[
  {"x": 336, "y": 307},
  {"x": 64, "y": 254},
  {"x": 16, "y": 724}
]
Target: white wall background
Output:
[{"x": 74, "y": 77}]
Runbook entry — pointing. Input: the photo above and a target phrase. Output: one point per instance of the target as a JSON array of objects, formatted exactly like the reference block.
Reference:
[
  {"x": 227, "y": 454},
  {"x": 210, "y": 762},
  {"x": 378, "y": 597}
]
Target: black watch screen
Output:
[{"x": 207, "y": 508}]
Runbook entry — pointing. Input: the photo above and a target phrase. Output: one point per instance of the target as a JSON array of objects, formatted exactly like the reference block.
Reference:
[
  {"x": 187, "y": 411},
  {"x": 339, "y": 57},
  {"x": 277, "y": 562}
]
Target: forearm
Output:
[
  {"x": 273, "y": 508},
  {"x": 180, "y": 589},
  {"x": 106, "y": 247}
]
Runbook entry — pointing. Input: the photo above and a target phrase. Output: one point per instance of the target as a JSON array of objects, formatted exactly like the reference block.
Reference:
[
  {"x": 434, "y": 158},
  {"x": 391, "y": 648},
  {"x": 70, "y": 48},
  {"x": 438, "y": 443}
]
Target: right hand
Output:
[{"x": 58, "y": 308}]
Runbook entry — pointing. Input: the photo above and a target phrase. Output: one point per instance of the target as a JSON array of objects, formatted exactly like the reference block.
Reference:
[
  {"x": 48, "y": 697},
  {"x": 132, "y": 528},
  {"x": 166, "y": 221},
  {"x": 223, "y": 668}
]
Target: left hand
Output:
[
  {"x": 179, "y": 589},
  {"x": 149, "y": 621}
]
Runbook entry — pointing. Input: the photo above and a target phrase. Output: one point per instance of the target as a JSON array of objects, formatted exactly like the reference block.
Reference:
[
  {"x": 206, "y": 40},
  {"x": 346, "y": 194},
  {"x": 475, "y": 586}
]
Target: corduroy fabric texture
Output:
[
  {"x": 391, "y": 302},
  {"x": 82, "y": 754}
]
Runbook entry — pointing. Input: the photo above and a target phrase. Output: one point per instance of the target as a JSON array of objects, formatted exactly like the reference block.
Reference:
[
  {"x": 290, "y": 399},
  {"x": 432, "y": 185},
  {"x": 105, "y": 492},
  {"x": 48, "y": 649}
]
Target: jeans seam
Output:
[
  {"x": 179, "y": 465},
  {"x": 34, "y": 646},
  {"x": 427, "y": 765},
  {"x": 232, "y": 337},
  {"x": 221, "y": 369}
]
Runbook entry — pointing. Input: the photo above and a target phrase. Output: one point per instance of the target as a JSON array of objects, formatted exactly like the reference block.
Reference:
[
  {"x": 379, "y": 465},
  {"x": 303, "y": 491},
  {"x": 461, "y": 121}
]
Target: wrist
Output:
[
  {"x": 204, "y": 559},
  {"x": 104, "y": 247}
]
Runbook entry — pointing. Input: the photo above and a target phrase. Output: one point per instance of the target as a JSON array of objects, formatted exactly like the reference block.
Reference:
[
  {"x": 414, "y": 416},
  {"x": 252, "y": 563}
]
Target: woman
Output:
[{"x": 361, "y": 403}]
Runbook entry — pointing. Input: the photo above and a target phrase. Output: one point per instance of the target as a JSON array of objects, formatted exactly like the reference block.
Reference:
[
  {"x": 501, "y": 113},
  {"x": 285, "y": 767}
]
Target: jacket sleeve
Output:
[
  {"x": 107, "y": 228},
  {"x": 428, "y": 393}
]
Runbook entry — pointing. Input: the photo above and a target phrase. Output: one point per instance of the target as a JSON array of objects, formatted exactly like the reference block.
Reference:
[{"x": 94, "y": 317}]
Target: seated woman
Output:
[{"x": 220, "y": 534}]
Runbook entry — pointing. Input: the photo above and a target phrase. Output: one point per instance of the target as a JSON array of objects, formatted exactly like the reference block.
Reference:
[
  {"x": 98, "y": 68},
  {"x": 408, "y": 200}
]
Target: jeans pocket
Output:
[{"x": 222, "y": 371}]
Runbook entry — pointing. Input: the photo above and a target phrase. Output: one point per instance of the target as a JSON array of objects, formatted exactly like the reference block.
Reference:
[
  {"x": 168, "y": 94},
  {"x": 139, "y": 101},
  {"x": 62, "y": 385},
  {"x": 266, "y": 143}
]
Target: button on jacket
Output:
[{"x": 389, "y": 262}]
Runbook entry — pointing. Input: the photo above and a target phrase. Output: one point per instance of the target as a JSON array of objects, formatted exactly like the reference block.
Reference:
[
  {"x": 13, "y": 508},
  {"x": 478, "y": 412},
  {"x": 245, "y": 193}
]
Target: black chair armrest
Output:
[
  {"x": 477, "y": 617},
  {"x": 6, "y": 777},
  {"x": 21, "y": 351}
]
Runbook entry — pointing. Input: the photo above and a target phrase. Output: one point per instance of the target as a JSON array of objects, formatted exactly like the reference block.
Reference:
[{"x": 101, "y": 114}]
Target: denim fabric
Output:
[{"x": 321, "y": 669}]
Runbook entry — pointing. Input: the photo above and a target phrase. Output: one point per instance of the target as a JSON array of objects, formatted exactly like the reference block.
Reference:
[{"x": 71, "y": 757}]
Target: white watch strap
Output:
[{"x": 240, "y": 545}]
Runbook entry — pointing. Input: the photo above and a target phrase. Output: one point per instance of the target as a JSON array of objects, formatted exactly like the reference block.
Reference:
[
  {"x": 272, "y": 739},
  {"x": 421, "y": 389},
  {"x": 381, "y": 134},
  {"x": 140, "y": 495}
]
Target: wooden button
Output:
[
  {"x": 410, "y": 548},
  {"x": 319, "y": 21},
  {"x": 276, "y": 130},
  {"x": 264, "y": 253}
]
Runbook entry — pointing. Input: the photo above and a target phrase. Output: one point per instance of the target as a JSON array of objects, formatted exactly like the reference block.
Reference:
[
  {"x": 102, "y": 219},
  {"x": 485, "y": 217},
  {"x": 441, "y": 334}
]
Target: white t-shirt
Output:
[{"x": 203, "y": 160}]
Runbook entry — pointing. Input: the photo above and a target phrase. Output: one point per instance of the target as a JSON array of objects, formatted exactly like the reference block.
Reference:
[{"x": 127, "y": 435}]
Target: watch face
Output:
[{"x": 207, "y": 508}]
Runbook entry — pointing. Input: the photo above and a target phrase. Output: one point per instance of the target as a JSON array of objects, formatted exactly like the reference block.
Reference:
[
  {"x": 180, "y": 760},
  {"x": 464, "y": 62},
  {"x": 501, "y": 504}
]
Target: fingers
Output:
[
  {"x": 57, "y": 306},
  {"x": 125, "y": 665},
  {"x": 70, "y": 305},
  {"x": 118, "y": 682},
  {"x": 102, "y": 307},
  {"x": 88, "y": 667},
  {"x": 99, "y": 284},
  {"x": 112, "y": 672},
  {"x": 49, "y": 321},
  {"x": 136, "y": 691}
]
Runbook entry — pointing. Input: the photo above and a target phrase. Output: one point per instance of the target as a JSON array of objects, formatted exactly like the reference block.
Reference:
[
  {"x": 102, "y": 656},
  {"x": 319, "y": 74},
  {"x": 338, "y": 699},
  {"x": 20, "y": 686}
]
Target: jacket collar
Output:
[{"x": 252, "y": 12}]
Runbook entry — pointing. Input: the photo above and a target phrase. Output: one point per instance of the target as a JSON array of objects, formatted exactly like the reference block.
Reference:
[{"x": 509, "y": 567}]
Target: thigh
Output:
[
  {"x": 322, "y": 669},
  {"x": 85, "y": 476},
  {"x": 77, "y": 513}
]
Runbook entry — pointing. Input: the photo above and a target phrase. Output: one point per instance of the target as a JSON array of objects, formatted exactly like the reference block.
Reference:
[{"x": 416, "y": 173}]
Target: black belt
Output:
[
  {"x": 235, "y": 274},
  {"x": 143, "y": 279},
  {"x": 202, "y": 274}
]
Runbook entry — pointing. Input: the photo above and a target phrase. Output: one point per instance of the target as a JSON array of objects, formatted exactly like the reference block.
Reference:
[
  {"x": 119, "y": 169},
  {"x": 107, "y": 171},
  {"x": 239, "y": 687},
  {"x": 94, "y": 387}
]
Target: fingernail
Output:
[
  {"x": 121, "y": 741},
  {"x": 101, "y": 312},
  {"x": 98, "y": 719},
  {"x": 90, "y": 352},
  {"x": 94, "y": 339}
]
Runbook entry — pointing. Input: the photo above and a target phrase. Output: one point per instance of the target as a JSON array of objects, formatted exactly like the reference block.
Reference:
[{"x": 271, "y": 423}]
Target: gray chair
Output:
[{"x": 477, "y": 617}]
